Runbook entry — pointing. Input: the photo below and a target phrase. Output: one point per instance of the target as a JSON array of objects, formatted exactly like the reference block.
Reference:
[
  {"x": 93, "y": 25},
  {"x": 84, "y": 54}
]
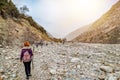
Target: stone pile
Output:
[{"x": 71, "y": 61}]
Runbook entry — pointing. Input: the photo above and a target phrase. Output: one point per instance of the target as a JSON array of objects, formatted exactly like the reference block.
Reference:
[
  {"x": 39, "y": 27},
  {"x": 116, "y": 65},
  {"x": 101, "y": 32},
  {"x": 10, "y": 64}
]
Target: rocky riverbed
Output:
[{"x": 69, "y": 61}]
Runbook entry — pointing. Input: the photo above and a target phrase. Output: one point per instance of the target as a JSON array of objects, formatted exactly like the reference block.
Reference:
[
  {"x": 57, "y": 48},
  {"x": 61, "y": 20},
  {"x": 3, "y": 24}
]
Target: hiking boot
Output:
[{"x": 27, "y": 77}]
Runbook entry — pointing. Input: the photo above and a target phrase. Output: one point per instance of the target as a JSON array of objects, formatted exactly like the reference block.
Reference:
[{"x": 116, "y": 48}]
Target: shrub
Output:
[{"x": 8, "y": 9}]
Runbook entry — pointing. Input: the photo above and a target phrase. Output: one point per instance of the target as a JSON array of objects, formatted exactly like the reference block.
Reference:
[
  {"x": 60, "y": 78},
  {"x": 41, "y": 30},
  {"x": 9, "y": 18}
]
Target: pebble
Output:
[
  {"x": 110, "y": 77},
  {"x": 75, "y": 60},
  {"x": 14, "y": 75},
  {"x": 3, "y": 51},
  {"x": 78, "y": 66}
]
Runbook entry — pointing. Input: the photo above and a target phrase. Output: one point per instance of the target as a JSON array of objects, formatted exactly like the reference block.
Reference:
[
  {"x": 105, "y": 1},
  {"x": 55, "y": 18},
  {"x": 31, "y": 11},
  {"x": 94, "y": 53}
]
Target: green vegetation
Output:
[
  {"x": 8, "y": 9},
  {"x": 33, "y": 23},
  {"x": 24, "y": 9},
  {"x": 57, "y": 40}
]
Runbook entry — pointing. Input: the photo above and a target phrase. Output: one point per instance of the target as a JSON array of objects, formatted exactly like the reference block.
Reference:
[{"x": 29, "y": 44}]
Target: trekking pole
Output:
[
  {"x": 32, "y": 64},
  {"x": 32, "y": 59}
]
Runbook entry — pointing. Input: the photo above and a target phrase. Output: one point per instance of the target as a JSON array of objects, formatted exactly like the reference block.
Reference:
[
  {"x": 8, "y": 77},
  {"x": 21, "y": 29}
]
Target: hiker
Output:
[
  {"x": 26, "y": 58},
  {"x": 41, "y": 43},
  {"x": 37, "y": 45}
]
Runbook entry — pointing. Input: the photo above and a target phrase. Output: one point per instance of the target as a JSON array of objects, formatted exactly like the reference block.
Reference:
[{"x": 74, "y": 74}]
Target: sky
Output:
[{"x": 60, "y": 17}]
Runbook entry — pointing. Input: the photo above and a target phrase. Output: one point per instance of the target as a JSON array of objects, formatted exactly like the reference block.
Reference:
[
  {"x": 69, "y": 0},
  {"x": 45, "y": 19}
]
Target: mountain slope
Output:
[
  {"x": 15, "y": 28},
  {"x": 76, "y": 33},
  {"x": 104, "y": 30},
  {"x": 15, "y": 33}
]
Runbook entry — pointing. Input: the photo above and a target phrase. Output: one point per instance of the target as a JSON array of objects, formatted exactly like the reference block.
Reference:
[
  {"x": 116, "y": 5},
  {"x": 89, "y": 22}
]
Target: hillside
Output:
[
  {"x": 16, "y": 28},
  {"x": 76, "y": 33},
  {"x": 104, "y": 30}
]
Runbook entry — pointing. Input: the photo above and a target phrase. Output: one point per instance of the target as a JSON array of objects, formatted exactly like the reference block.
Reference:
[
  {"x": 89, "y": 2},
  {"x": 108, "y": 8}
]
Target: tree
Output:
[{"x": 24, "y": 9}]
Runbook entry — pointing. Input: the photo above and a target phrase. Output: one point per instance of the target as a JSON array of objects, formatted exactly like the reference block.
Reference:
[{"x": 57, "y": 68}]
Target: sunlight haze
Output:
[{"x": 60, "y": 17}]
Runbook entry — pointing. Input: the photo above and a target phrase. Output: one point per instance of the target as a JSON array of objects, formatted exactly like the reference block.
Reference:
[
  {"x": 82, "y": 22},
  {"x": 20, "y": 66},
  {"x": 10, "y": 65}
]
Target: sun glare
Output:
[{"x": 85, "y": 8}]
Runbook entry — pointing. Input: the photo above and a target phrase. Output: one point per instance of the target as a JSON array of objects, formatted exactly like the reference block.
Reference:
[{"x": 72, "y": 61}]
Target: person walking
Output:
[{"x": 26, "y": 58}]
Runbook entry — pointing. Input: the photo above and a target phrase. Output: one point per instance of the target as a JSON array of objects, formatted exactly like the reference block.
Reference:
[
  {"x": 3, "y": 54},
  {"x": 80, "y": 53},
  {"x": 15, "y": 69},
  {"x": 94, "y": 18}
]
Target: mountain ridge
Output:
[
  {"x": 77, "y": 32},
  {"x": 105, "y": 29}
]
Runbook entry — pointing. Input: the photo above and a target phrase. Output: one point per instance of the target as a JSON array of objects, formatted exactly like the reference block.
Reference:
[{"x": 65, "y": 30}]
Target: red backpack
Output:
[{"x": 26, "y": 57}]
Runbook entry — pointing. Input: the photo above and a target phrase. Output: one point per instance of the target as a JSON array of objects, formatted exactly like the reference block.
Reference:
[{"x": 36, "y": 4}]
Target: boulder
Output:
[
  {"x": 101, "y": 77},
  {"x": 107, "y": 69},
  {"x": 4, "y": 77},
  {"x": 2, "y": 71},
  {"x": 52, "y": 71},
  {"x": 4, "y": 51},
  {"x": 1, "y": 46}
]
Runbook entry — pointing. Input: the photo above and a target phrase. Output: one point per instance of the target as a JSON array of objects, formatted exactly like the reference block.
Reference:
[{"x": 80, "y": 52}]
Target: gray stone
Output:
[
  {"x": 107, "y": 69},
  {"x": 75, "y": 60},
  {"x": 69, "y": 79},
  {"x": 4, "y": 51},
  {"x": 2, "y": 71},
  {"x": 78, "y": 66},
  {"x": 14, "y": 75},
  {"x": 52, "y": 71},
  {"x": 110, "y": 77},
  {"x": 4, "y": 77}
]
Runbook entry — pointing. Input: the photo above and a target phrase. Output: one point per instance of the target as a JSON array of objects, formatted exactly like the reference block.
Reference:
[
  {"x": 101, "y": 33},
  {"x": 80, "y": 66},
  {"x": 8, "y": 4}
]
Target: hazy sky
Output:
[{"x": 60, "y": 17}]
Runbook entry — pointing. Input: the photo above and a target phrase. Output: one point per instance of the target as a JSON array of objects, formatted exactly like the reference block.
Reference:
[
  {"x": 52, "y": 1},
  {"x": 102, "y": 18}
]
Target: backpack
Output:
[{"x": 26, "y": 57}]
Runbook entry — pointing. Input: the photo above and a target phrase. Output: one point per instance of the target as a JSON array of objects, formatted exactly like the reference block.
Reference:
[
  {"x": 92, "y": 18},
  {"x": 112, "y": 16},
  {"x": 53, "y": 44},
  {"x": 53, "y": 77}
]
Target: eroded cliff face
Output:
[
  {"x": 12, "y": 32},
  {"x": 104, "y": 30}
]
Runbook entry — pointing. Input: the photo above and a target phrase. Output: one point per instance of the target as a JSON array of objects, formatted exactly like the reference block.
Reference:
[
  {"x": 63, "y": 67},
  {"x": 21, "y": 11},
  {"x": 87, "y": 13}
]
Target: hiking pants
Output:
[{"x": 27, "y": 68}]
